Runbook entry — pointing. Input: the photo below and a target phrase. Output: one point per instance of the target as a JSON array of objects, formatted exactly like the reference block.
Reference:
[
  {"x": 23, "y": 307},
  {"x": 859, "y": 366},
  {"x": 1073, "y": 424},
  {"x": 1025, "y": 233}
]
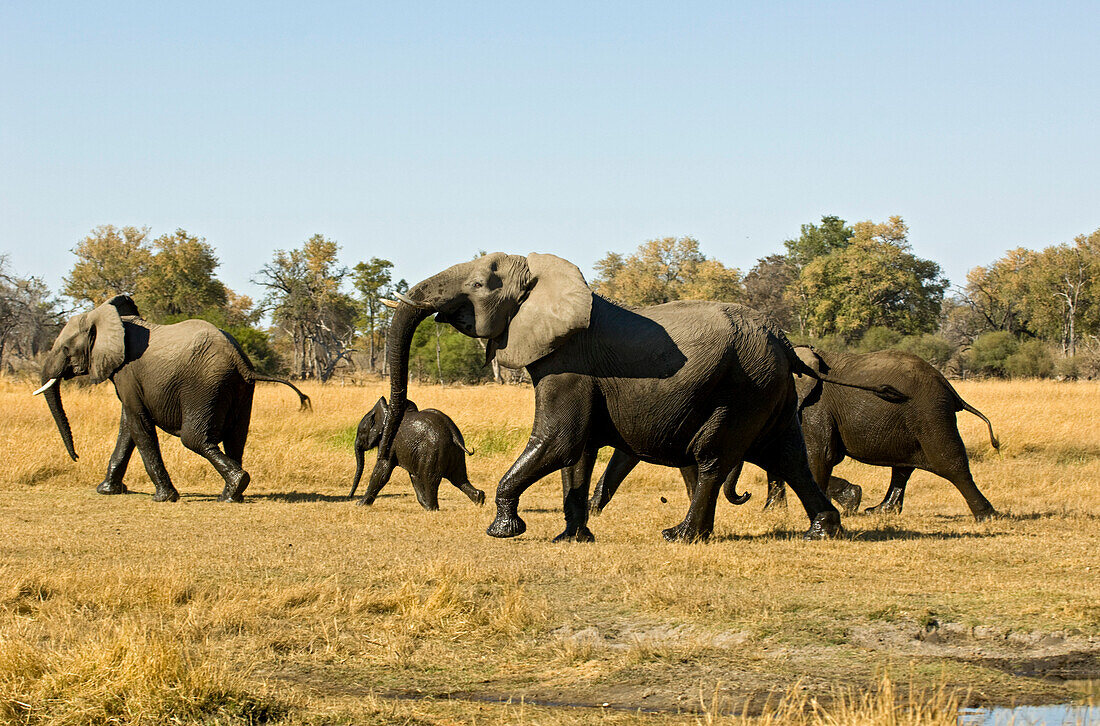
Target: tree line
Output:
[{"x": 838, "y": 285}]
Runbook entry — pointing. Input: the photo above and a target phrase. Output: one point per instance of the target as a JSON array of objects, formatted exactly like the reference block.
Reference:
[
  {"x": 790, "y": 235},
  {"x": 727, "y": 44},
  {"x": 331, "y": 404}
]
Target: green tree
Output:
[
  {"x": 441, "y": 353},
  {"x": 309, "y": 307},
  {"x": 990, "y": 352},
  {"x": 873, "y": 281},
  {"x": 832, "y": 235},
  {"x": 766, "y": 288},
  {"x": 178, "y": 281},
  {"x": 661, "y": 270},
  {"x": 110, "y": 260},
  {"x": 371, "y": 279},
  {"x": 30, "y": 315}
]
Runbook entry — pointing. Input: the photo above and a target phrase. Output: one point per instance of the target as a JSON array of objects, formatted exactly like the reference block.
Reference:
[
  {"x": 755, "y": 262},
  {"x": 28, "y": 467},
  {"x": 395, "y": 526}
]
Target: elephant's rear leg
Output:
[
  {"x": 895, "y": 495},
  {"x": 426, "y": 489},
  {"x": 952, "y": 464},
  {"x": 575, "y": 482},
  {"x": 200, "y": 440},
  {"x": 698, "y": 523},
  {"x": 784, "y": 458},
  {"x": 144, "y": 433},
  {"x": 461, "y": 479}
]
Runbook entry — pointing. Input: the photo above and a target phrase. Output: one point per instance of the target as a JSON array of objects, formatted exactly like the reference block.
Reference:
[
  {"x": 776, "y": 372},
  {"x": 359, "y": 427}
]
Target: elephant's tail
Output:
[
  {"x": 358, "y": 468},
  {"x": 305, "y": 403},
  {"x": 457, "y": 436},
  {"x": 964, "y": 406},
  {"x": 884, "y": 391}
]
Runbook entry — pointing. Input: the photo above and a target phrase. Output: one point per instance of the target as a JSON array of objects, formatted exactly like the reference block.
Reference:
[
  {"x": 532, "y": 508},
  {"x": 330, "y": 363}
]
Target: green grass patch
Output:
[{"x": 497, "y": 440}]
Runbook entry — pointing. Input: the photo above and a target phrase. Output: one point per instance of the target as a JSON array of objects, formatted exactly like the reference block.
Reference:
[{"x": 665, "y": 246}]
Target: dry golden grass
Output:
[{"x": 298, "y": 607}]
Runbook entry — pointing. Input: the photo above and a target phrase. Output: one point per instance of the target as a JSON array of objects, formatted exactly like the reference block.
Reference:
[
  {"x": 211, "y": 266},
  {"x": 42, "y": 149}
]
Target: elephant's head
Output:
[
  {"x": 376, "y": 420},
  {"x": 92, "y": 344},
  {"x": 524, "y": 306}
]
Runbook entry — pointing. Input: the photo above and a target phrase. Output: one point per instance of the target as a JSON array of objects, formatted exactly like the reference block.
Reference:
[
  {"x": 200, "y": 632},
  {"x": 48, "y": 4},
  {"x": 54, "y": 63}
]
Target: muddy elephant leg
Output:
[
  {"x": 699, "y": 521},
  {"x": 120, "y": 459},
  {"x": 952, "y": 464},
  {"x": 236, "y": 478},
  {"x": 374, "y": 486},
  {"x": 785, "y": 458},
  {"x": 844, "y": 493},
  {"x": 144, "y": 433},
  {"x": 777, "y": 493},
  {"x": 895, "y": 495},
  {"x": 575, "y": 481},
  {"x": 563, "y": 410},
  {"x": 690, "y": 475},
  {"x": 618, "y": 468},
  {"x": 463, "y": 484},
  {"x": 427, "y": 490}
]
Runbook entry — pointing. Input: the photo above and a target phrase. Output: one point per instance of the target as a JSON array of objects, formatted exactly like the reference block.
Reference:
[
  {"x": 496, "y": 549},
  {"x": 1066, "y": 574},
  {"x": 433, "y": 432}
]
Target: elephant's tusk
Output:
[
  {"x": 390, "y": 303},
  {"x": 45, "y": 386},
  {"x": 409, "y": 301}
]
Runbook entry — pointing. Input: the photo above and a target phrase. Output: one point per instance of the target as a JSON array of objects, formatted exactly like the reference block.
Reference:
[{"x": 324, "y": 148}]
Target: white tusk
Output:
[
  {"x": 390, "y": 303},
  {"x": 409, "y": 301},
  {"x": 45, "y": 386}
]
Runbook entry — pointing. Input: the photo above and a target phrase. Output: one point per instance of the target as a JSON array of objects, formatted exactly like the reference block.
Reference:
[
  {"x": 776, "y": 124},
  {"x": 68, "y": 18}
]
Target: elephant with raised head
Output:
[
  {"x": 428, "y": 445},
  {"x": 687, "y": 384},
  {"x": 920, "y": 433},
  {"x": 189, "y": 379}
]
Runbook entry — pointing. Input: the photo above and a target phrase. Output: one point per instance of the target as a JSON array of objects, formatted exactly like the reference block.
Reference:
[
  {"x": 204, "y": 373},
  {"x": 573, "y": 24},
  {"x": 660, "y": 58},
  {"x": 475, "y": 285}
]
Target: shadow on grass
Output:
[{"x": 881, "y": 534}]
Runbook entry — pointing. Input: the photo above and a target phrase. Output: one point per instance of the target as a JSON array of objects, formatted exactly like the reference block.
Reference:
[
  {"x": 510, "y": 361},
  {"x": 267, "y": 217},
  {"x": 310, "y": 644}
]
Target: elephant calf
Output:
[
  {"x": 428, "y": 445},
  {"x": 920, "y": 433}
]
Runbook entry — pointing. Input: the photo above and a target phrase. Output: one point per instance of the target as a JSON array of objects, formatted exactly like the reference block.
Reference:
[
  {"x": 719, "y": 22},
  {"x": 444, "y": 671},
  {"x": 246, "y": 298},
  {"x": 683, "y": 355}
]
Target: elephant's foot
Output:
[
  {"x": 884, "y": 508},
  {"x": 595, "y": 509},
  {"x": 576, "y": 534},
  {"x": 166, "y": 494},
  {"x": 507, "y": 522},
  {"x": 235, "y": 492},
  {"x": 824, "y": 526},
  {"x": 478, "y": 497},
  {"x": 365, "y": 501},
  {"x": 106, "y": 487},
  {"x": 847, "y": 495},
  {"x": 986, "y": 514},
  {"x": 777, "y": 497},
  {"x": 684, "y": 533},
  {"x": 430, "y": 507}
]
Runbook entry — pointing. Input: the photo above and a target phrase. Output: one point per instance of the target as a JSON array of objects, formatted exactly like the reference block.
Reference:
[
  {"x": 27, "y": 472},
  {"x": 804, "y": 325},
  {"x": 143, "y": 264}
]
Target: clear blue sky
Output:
[{"x": 423, "y": 132}]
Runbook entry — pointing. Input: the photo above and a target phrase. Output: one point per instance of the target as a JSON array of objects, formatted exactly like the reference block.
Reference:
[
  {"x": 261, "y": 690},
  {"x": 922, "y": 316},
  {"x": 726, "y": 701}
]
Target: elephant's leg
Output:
[
  {"x": 844, "y": 493},
  {"x": 618, "y": 468},
  {"x": 785, "y": 458},
  {"x": 375, "y": 485},
  {"x": 236, "y": 478},
  {"x": 950, "y": 462},
  {"x": 690, "y": 475},
  {"x": 459, "y": 478},
  {"x": 699, "y": 521},
  {"x": 563, "y": 411},
  {"x": 777, "y": 493},
  {"x": 895, "y": 495},
  {"x": 144, "y": 433},
  {"x": 120, "y": 458},
  {"x": 575, "y": 481},
  {"x": 427, "y": 490}
]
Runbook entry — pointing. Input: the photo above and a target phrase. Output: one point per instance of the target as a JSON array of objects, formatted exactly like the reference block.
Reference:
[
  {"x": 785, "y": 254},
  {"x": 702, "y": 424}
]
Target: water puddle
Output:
[{"x": 1061, "y": 715}]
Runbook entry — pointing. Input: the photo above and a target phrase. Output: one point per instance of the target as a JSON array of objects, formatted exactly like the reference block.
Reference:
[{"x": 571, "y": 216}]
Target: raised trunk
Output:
[{"x": 53, "y": 369}]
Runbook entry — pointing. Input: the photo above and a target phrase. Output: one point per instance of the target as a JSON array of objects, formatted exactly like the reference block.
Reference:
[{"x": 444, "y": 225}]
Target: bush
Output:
[
  {"x": 932, "y": 347},
  {"x": 990, "y": 352},
  {"x": 878, "y": 338},
  {"x": 461, "y": 358},
  {"x": 1032, "y": 359}
]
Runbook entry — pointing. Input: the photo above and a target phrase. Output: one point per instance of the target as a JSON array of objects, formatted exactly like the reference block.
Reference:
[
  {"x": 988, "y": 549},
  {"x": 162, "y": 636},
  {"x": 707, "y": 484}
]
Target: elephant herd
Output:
[{"x": 698, "y": 385}]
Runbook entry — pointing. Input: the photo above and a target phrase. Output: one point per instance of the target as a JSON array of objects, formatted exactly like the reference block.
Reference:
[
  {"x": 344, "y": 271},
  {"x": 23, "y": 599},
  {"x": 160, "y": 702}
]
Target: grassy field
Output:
[{"x": 297, "y": 607}]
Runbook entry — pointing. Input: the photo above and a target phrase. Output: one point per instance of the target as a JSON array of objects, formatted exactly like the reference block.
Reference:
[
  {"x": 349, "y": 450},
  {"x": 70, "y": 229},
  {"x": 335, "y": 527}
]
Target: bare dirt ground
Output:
[{"x": 368, "y": 615}]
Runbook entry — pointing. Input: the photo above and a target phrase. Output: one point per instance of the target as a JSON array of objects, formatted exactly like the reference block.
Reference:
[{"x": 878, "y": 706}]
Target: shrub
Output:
[
  {"x": 1032, "y": 359},
  {"x": 932, "y": 347},
  {"x": 990, "y": 352},
  {"x": 878, "y": 338}
]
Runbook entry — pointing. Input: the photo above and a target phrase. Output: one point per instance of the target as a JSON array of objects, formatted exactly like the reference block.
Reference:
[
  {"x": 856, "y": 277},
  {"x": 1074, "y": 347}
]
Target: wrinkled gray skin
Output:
[
  {"x": 190, "y": 380},
  {"x": 920, "y": 433},
  {"x": 688, "y": 384},
  {"x": 428, "y": 445}
]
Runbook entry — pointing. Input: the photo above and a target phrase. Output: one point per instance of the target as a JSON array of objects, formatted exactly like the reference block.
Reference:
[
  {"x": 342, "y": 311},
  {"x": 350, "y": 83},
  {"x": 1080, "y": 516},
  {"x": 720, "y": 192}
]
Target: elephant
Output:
[
  {"x": 687, "y": 384},
  {"x": 189, "y": 379},
  {"x": 428, "y": 445},
  {"x": 919, "y": 434}
]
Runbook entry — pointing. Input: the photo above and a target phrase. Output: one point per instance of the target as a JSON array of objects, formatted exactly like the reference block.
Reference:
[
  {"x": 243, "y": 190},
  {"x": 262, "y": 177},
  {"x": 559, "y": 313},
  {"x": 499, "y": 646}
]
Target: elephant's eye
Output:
[{"x": 476, "y": 285}]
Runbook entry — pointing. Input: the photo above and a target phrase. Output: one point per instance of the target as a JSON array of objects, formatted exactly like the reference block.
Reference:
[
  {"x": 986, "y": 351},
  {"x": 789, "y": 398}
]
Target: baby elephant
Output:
[{"x": 428, "y": 445}]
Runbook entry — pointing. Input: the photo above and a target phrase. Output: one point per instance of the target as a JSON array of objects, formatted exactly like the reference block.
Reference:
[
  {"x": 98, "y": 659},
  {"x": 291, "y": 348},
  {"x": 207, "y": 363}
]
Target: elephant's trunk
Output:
[
  {"x": 359, "y": 456},
  {"x": 52, "y": 370}
]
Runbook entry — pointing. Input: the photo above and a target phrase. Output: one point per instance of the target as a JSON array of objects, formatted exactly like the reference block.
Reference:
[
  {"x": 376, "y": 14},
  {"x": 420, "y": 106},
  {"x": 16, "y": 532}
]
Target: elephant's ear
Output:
[
  {"x": 109, "y": 349},
  {"x": 125, "y": 305},
  {"x": 558, "y": 304},
  {"x": 807, "y": 387}
]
